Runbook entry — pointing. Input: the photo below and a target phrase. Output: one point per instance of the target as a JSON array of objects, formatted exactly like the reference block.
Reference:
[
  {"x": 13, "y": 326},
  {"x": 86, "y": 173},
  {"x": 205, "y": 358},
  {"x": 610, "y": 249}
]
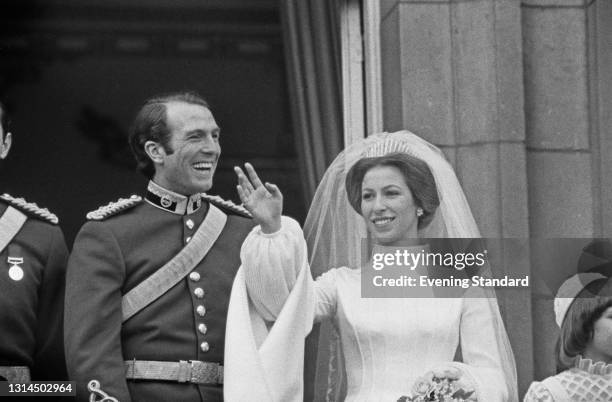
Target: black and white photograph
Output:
[{"x": 306, "y": 200}]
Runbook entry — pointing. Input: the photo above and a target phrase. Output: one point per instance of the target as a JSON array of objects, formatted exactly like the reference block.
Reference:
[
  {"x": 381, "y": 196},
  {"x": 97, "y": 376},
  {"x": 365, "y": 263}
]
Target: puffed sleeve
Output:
[
  {"x": 49, "y": 361},
  {"x": 271, "y": 264},
  {"x": 265, "y": 362},
  {"x": 95, "y": 276},
  {"x": 481, "y": 334},
  {"x": 538, "y": 392}
]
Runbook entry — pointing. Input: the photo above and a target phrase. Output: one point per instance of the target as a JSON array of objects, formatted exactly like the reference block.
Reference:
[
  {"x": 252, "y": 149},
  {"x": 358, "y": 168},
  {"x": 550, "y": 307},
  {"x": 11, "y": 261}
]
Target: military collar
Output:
[{"x": 172, "y": 202}]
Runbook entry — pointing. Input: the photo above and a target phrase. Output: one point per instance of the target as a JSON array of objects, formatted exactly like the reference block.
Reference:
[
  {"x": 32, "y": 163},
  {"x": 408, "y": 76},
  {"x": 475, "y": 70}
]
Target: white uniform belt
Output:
[
  {"x": 15, "y": 373},
  {"x": 192, "y": 371}
]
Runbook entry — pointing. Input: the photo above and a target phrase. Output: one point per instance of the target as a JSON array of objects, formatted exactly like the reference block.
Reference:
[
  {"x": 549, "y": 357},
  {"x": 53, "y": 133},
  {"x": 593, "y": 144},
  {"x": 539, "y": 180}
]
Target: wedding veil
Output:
[{"x": 334, "y": 232}]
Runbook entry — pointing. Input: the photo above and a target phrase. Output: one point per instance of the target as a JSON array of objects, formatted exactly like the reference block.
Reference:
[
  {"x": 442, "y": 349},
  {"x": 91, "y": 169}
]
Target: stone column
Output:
[
  {"x": 557, "y": 117},
  {"x": 452, "y": 73},
  {"x": 568, "y": 155}
]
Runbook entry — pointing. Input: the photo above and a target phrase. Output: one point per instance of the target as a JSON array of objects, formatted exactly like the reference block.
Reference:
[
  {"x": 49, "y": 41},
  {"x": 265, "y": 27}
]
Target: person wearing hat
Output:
[
  {"x": 33, "y": 257},
  {"x": 583, "y": 312},
  {"x": 149, "y": 278}
]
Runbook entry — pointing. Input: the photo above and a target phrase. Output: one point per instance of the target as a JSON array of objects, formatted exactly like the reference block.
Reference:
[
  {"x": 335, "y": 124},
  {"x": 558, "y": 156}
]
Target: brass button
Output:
[
  {"x": 165, "y": 201},
  {"x": 201, "y": 310},
  {"x": 194, "y": 276},
  {"x": 204, "y": 346},
  {"x": 189, "y": 223},
  {"x": 188, "y": 239},
  {"x": 198, "y": 292},
  {"x": 202, "y": 328}
]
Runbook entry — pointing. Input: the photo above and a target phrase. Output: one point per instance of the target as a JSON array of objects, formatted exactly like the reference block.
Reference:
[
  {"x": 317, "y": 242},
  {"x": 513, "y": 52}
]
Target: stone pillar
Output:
[
  {"x": 566, "y": 64},
  {"x": 452, "y": 73},
  {"x": 557, "y": 117}
]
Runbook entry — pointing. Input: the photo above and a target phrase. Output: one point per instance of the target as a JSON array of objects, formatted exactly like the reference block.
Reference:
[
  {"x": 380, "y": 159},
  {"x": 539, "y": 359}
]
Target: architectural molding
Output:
[
  {"x": 352, "y": 71},
  {"x": 557, "y": 3},
  {"x": 372, "y": 67}
]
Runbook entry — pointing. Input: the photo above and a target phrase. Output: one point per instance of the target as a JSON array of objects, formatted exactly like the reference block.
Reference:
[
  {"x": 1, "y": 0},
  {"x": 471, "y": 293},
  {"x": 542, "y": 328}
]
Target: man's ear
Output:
[
  {"x": 5, "y": 146},
  {"x": 155, "y": 151}
]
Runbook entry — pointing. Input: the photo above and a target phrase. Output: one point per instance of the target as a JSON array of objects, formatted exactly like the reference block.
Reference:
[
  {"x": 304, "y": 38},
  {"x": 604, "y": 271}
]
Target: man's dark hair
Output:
[
  {"x": 4, "y": 119},
  {"x": 151, "y": 125}
]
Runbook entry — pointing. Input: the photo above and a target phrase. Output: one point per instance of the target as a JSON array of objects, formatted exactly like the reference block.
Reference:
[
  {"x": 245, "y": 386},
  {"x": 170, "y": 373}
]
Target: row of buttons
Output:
[
  {"x": 199, "y": 293},
  {"x": 200, "y": 309},
  {"x": 190, "y": 225}
]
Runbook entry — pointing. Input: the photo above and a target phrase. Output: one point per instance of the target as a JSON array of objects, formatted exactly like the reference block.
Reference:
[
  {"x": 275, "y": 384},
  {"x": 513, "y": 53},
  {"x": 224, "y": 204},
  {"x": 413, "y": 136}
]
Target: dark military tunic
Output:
[
  {"x": 113, "y": 255},
  {"x": 31, "y": 307}
]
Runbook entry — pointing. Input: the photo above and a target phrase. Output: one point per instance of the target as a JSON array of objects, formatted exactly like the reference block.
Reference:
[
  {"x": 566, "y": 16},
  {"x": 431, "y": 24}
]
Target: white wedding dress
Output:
[{"x": 387, "y": 343}]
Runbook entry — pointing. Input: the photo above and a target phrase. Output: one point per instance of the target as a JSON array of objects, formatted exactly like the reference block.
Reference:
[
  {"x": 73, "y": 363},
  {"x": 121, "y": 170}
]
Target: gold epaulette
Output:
[
  {"x": 228, "y": 205},
  {"x": 30, "y": 208},
  {"x": 113, "y": 208}
]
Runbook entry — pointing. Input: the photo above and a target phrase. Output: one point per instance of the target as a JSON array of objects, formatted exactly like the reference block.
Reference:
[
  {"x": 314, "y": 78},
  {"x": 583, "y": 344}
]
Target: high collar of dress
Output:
[
  {"x": 598, "y": 368},
  {"x": 172, "y": 202}
]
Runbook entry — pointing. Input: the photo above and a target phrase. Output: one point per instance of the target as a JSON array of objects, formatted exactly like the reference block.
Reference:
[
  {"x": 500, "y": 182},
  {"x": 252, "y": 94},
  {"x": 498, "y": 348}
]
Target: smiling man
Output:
[{"x": 149, "y": 277}]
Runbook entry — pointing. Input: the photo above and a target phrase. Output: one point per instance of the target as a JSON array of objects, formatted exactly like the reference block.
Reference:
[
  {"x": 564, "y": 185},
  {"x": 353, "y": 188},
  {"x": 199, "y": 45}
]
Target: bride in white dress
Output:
[{"x": 404, "y": 189}]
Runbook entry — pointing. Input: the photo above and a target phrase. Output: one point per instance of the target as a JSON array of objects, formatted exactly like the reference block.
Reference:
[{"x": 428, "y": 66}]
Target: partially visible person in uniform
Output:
[
  {"x": 33, "y": 258},
  {"x": 149, "y": 278}
]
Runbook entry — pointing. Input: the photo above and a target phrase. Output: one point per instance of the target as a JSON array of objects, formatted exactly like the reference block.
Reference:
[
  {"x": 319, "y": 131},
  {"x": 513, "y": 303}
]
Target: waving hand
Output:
[{"x": 263, "y": 201}]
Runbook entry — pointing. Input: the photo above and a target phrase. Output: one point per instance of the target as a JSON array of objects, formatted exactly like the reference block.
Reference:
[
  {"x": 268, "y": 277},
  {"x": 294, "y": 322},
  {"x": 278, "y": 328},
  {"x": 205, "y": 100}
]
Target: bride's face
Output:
[{"x": 388, "y": 207}]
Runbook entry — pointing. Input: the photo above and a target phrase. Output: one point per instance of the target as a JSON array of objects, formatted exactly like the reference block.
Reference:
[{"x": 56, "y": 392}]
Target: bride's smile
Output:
[
  {"x": 382, "y": 221},
  {"x": 384, "y": 345},
  {"x": 387, "y": 206}
]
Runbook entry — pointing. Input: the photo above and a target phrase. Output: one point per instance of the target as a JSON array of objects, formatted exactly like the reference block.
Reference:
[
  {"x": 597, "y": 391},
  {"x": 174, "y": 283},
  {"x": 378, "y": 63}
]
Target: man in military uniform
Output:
[
  {"x": 33, "y": 258},
  {"x": 149, "y": 280}
]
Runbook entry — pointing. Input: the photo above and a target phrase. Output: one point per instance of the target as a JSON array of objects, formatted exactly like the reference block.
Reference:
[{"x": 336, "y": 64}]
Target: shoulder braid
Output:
[
  {"x": 113, "y": 208},
  {"x": 30, "y": 208},
  {"x": 227, "y": 205}
]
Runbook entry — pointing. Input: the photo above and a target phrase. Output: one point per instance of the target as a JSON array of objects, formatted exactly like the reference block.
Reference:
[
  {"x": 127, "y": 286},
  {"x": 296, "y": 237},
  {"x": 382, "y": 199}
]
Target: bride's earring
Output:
[{"x": 419, "y": 212}]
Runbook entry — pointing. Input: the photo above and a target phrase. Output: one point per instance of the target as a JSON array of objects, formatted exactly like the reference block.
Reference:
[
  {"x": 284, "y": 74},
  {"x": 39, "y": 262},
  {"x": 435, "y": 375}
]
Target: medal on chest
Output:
[{"x": 15, "y": 271}]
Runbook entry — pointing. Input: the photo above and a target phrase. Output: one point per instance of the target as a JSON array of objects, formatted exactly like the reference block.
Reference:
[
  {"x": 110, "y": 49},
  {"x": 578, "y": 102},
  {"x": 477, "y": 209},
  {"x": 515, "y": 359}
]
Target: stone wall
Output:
[{"x": 516, "y": 93}]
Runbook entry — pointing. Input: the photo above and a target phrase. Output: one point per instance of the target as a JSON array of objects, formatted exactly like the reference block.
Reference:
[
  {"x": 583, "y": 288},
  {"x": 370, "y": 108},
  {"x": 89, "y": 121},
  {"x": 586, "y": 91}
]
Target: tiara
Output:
[
  {"x": 388, "y": 146},
  {"x": 569, "y": 290}
]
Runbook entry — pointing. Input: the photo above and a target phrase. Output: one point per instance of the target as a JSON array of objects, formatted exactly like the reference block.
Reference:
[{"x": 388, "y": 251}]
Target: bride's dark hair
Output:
[{"x": 417, "y": 176}]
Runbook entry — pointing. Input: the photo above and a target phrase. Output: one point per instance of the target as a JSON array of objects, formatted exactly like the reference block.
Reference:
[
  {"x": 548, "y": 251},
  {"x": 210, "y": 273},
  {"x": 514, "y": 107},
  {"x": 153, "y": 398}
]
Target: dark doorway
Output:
[{"x": 73, "y": 74}]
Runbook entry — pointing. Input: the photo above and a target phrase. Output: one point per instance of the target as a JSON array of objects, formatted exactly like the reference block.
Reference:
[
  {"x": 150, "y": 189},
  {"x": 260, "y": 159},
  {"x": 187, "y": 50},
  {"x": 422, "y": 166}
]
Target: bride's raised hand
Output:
[{"x": 264, "y": 202}]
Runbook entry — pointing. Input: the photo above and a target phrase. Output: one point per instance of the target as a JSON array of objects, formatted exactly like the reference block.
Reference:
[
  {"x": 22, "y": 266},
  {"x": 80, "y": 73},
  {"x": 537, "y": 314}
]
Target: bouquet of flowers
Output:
[{"x": 439, "y": 387}]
